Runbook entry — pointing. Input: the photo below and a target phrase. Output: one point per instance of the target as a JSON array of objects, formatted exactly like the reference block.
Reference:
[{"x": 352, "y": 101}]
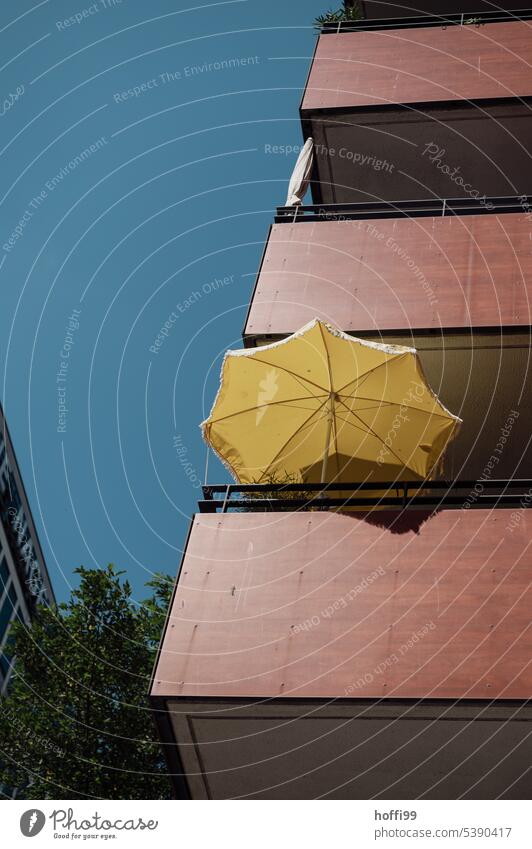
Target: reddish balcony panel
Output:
[
  {"x": 421, "y": 65},
  {"x": 324, "y": 605},
  {"x": 368, "y": 276}
]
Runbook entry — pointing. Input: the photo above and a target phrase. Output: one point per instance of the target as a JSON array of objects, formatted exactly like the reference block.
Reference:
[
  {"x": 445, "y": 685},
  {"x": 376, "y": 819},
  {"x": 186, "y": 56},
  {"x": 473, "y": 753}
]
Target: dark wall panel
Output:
[
  {"x": 487, "y": 381},
  {"x": 389, "y": 750},
  {"x": 452, "y": 151}
]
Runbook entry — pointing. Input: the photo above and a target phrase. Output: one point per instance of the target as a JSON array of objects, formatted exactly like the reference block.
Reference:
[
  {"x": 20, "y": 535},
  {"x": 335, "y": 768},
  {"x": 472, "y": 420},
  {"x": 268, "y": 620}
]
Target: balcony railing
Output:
[
  {"x": 399, "y": 495},
  {"x": 404, "y": 208},
  {"x": 458, "y": 19}
]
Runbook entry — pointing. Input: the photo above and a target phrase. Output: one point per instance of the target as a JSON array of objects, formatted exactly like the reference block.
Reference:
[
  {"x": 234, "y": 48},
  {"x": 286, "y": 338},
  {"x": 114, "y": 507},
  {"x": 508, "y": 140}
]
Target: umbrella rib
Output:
[
  {"x": 366, "y": 374},
  {"x": 346, "y": 421},
  {"x": 363, "y": 398},
  {"x": 330, "y": 415},
  {"x": 335, "y": 437},
  {"x": 328, "y": 357},
  {"x": 396, "y": 404},
  {"x": 261, "y": 407},
  {"x": 298, "y": 377},
  {"x": 293, "y": 406},
  {"x": 376, "y": 435},
  {"x": 306, "y": 426},
  {"x": 274, "y": 458}
]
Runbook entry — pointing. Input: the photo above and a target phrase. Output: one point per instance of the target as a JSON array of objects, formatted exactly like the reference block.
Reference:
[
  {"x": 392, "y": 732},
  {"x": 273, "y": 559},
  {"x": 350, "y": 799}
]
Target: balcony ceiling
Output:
[{"x": 267, "y": 749}]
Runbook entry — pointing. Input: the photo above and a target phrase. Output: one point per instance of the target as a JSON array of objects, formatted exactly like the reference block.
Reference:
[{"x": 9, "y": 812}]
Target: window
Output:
[
  {"x": 6, "y": 611},
  {"x": 4, "y": 573}
]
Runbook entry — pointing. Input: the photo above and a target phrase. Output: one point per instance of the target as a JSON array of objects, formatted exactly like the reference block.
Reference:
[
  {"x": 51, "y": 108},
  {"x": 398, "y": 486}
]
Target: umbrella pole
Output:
[{"x": 327, "y": 440}]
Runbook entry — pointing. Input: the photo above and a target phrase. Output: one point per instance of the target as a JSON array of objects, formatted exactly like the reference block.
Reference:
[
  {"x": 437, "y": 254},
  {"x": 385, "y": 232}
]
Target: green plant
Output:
[
  {"x": 276, "y": 479},
  {"x": 76, "y": 722},
  {"x": 348, "y": 12}
]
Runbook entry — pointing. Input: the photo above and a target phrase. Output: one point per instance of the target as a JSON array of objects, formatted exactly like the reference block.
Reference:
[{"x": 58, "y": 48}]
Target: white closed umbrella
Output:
[{"x": 301, "y": 174}]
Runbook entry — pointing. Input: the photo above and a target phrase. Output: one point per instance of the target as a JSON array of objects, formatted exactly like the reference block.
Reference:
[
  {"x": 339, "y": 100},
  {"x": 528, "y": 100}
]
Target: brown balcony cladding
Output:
[
  {"x": 421, "y": 112},
  {"x": 286, "y": 612},
  {"x": 421, "y": 65},
  {"x": 375, "y": 275}
]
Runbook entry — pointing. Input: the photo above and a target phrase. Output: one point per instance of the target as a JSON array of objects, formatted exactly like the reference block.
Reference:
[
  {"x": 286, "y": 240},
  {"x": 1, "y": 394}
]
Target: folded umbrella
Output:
[{"x": 301, "y": 174}]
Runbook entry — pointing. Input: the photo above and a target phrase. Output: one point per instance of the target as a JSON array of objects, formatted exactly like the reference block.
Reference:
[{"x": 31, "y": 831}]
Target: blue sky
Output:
[{"x": 135, "y": 184}]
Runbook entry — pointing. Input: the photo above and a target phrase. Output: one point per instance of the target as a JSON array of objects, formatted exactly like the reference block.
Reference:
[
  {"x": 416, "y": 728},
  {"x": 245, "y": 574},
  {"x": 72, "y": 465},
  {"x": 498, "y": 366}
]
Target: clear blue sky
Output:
[{"x": 176, "y": 191}]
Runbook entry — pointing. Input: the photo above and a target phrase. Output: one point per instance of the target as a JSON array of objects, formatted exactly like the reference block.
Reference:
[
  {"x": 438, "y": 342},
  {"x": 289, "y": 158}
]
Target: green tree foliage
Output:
[
  {"x": 350, "y": 11},
  {"x": 76, "y": 721}
]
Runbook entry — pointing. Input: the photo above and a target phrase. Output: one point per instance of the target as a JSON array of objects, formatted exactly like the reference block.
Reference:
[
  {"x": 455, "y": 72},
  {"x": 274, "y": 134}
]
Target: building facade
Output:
[
  {"x": 24, "y": 580},
  {"x": 315, "y": 653}
]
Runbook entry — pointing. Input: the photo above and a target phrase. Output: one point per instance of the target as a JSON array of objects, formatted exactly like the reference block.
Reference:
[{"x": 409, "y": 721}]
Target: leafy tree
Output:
[{"x": 76, "y": 721}]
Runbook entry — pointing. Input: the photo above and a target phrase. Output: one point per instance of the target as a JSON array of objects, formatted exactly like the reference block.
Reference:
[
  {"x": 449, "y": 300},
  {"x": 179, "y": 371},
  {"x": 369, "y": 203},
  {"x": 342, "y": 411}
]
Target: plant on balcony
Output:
[
  {"x": 350, "y": 11},
  {"x": 275, "y": 495}
]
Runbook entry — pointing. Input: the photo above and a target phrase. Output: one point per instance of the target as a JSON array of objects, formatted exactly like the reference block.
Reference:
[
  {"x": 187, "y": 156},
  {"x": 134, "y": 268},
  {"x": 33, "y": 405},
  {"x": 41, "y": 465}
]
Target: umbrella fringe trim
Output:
[
  {"x": 205, "y": 423},
  {"x": 222, "y": 459},
  {"x": 334, "y": 331}
]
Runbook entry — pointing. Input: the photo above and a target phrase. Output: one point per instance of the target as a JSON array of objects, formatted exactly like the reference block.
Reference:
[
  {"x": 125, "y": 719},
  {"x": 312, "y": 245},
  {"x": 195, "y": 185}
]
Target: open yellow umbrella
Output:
[{"x": 324, "y": 406}]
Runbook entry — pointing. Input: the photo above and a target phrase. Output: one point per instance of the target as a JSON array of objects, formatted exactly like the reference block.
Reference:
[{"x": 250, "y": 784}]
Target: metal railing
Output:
[
  {"x": 403, "y": 208},
  {"x": 457, "y": 19},
  {"x": 398, "y": 495}
]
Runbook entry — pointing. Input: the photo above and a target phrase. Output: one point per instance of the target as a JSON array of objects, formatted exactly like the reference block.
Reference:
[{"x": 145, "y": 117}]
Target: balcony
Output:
[
  {"x": 380, "y": 268},
  {"x": 397, "y": 495},
  {"x": 318, "y": 653},
  {"x": 450, "y": 278},
  {"x": 412, "y": 110}
]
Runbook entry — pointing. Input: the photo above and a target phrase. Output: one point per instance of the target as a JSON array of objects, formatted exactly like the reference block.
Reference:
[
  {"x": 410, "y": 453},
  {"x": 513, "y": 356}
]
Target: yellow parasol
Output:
[{"x": 324, "y": 406}]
